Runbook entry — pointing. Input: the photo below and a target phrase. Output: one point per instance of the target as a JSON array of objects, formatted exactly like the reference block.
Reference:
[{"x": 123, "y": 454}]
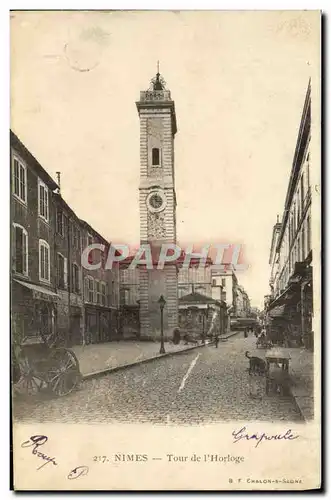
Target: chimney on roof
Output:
[{"x": 58, "y": 176}]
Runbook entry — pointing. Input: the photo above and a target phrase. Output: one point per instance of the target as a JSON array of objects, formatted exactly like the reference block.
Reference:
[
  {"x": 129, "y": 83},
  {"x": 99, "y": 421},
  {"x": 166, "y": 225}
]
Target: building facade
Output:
[
  {"x": 289, "y": 306},
  {"x": 200, "y": 316},
  {"x": 33, "y": 275},
  {"x": 68, "y": 267},
  {"x": 100, "y": 291},
  {"x": 242, "y": 304},
  {"x": 194, "y": 279},
  {"x": 157, "y": 198},
  {"x": 227, "y": 287},
  {"x": 129, "y": 319},
  {"x": 53, "y": 295}
]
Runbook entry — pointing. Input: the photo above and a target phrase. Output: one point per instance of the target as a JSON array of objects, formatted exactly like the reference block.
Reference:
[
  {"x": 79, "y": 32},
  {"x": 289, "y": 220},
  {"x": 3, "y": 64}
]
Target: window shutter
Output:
[
  {"x": 46, "y": 204},
  {"x": 93, "y": 287},
  {"x": 46, "y": 263},
  {"x": 41, "y": 200},
  {"x": 65, "y": 272},
  {"x": 77, "y": 279},
  {"x": 96, "y": 291},
  {"x": 59, "y": 225},
  {"x": 73, "y": 278},
  {"x": 58, "y": 270},
  {"x": 86, "y": 288},
  {"x": 42, "y": 261},
  {"x": 90, "y": 257},
  {"x": 22, "y": 183},
  {"x": 25, "y": 254},
  {"x": 16, "y": 178},
  {"x": 19, "y": 250}
]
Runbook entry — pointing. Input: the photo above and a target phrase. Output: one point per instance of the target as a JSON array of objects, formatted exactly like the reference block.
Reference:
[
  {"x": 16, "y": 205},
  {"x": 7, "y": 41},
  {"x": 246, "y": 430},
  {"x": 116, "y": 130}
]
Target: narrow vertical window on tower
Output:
[{"x": 156, "y": 157}]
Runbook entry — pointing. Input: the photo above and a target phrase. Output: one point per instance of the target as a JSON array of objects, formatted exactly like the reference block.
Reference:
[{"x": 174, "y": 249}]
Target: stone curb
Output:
[
  {"x": 230, "y": 335},
  {"x": 105, "y": 371},
  {"x": 299, "y": 403}
]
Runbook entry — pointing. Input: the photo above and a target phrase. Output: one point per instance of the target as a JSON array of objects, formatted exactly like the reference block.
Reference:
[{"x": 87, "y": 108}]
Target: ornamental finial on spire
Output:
[{"x": 158, "y": 82}]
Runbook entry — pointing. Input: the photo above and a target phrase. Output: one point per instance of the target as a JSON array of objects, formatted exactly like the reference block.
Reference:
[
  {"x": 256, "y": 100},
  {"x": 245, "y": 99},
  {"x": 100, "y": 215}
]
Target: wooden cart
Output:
[
  {"x": 281, "y": 358},
  {"x": 42, "y": 365}
]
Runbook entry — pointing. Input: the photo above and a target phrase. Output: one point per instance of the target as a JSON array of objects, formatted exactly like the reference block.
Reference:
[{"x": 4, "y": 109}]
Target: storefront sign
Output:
[{"x": 44, "y": 296}]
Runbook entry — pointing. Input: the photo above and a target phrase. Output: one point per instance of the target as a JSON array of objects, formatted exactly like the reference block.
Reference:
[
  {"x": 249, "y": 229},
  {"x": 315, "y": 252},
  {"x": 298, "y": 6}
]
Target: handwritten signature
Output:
[
  {"x": 82, "y": 470},
  {"x": 259, "y": 437},
  {"x": 36, "y": 442}
]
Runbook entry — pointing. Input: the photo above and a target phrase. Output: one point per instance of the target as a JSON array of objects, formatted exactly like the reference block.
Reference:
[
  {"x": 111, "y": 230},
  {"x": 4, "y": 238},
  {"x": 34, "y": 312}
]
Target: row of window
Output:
[
  {"x": 299, "y": 253},
  {"x": 62, "y": 275},
  {"x": 62, "y": 225},
  {"x": 214, "y": 282},
  {"x": 20, "y": 188},
  {"x": 20, "y": 192},
  {"x": 298, "y": 207},
  {"x": 187, "y": 288},
  {"x": 21, "y": 252},
  {"x": 296, "y": 215},
  {"x": 21, "y": 262},
  {"x": 194, "y": 274},
  {"x": 130, "y": 276},
  {"x": 130, "y": 295},
  {"x": 96, "y": 292}
]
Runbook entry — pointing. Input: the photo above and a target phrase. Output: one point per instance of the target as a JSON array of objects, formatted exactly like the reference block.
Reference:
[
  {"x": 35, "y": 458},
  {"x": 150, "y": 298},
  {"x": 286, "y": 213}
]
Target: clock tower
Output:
[{"x": 157, "y": 200}]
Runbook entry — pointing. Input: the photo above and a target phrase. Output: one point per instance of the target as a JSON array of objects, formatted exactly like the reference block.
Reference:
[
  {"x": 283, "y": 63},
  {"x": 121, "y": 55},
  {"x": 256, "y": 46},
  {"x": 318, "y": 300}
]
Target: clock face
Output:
[{"x": 156, "y": 201}]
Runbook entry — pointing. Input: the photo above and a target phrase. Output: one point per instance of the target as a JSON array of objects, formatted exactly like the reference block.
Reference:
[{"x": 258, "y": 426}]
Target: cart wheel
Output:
[
  {"x": 30, "y": 381},
  {"x": 63, "y": 371}
]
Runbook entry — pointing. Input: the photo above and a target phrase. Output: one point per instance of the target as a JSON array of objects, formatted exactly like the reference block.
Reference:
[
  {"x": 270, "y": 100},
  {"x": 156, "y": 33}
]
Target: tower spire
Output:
[{"x": 157, "y": 81}]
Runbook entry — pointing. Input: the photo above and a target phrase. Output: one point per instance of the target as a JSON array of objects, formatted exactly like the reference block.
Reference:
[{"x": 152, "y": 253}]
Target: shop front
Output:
[
  {"x": 289, "y": 316},
  {"x": 99, "y": 326},
  {"x": 284, "y": 326},
  {"x": 34, "y": 312},
  {"x": 201, "y": 316},
  {"x": 129, "y": 322},
  {"x": 75, "y": 330},
  {"x": 307, "y": 309}
]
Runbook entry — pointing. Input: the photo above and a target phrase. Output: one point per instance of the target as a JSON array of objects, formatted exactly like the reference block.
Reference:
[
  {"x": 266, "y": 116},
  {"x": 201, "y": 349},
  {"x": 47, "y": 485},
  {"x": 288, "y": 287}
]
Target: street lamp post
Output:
[
  {"x": 203, "y": 327},
  {"x": 221, "y": 310},
  {"x": 162, "y": 303}
]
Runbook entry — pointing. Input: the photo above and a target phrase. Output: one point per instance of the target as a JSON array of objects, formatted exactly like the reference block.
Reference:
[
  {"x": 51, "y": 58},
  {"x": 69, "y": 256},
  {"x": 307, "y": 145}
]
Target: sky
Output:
[{"x": 238, "y": 80}]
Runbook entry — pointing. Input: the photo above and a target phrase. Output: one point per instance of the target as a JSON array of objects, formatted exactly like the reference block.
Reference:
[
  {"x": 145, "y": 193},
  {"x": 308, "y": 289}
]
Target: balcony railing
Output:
[{"x": 155, "y": 95}]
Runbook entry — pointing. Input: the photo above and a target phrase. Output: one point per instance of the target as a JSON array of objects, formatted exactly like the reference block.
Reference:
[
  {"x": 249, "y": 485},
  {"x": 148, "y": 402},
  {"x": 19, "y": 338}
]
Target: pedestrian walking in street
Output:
[
  {"x": 216, "y": 340},
  {"x": 245, "y": 333}
]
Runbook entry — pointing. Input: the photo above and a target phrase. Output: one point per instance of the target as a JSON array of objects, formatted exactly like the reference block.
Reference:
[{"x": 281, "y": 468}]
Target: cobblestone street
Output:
[{"x": 202, "y": 386}]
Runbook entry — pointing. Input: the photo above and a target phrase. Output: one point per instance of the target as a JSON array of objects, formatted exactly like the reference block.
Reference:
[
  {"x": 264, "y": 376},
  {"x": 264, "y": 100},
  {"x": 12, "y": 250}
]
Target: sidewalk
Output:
[
  {"x": 99, "y": 359},
  {"x": 302, "y": 380}
]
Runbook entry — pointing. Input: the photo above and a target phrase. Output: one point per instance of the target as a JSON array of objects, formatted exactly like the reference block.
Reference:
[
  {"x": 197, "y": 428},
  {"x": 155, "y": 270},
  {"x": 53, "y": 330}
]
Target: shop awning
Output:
[
  {"x": 277, "y": 311},
  {"x": 39, "y": 292},
  {"x": 287, "y": 297}
]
